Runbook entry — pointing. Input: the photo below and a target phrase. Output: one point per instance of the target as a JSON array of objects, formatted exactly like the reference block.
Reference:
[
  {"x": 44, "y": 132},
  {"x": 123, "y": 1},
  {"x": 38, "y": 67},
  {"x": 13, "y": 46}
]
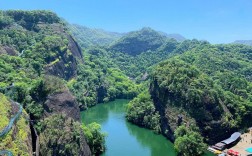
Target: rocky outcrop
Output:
[
  {"x": 74, "y": 48},
  {"x": 62, "y": 136},
  {"x": 211, "y": 123},
  {"x": 66, "y": 67},
  {"x": 62, "y": 103},
  {"x": 7, "y": 50}
]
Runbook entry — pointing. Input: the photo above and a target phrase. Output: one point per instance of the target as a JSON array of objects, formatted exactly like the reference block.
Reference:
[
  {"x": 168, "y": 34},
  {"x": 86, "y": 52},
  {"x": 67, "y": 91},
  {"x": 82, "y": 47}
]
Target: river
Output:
[{"x": 124, "y": 138}]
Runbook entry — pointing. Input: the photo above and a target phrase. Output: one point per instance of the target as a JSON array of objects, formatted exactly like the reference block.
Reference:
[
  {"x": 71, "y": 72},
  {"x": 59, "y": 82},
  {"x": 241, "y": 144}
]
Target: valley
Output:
[{"x": 154, "y": 93}]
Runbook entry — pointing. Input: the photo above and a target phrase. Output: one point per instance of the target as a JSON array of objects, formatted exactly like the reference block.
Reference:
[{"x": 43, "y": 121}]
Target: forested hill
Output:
[
  {"x": 37, "y": 57},
  {"x": 140, "y": 41},
  {"x": 173, "y": 82},
  {"x": 88, "y": 37},
  {"x": 136, "y": 51},
  {"x": 177, "y": 37},
  {"x": 207, "y": 88}
]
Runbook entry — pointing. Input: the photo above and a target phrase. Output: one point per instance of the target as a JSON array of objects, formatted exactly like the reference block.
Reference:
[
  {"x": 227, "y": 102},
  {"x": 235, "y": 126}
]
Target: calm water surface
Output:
[{"x": 124, "y": 138}]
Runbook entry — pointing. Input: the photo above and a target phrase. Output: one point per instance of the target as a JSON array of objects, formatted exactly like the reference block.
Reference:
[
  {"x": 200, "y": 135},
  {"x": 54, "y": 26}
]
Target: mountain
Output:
[
  {"x": 88, "y": 37},
  {"x": 37, "y": 57},
  {"x": 245, "y": 42},
  {"x": 207, "y": 87},
  {"x": 136, "y": 42},
  {"x": 175, "y": 84},
  {"x": 177, "y": 37}
]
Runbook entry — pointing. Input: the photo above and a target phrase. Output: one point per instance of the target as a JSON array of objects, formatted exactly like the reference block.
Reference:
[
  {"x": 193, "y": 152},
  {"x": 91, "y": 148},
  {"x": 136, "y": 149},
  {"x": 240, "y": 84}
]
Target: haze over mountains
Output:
[
  {"x": 245, "y": 42},
  {"x": 60, "y": 69},
  {"x": 93, "y": 36}
]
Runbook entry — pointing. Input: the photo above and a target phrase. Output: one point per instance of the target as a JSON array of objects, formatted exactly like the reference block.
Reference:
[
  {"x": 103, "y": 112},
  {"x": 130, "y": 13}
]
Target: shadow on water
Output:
[
  {"x": 100, "y": 113},
  {"x": 158, "y": 144}
]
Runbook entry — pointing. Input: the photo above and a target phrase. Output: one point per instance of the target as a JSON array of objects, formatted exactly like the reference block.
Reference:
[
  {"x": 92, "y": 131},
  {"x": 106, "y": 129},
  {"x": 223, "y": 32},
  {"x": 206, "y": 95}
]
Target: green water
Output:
[{"x": 124, "y": 138}]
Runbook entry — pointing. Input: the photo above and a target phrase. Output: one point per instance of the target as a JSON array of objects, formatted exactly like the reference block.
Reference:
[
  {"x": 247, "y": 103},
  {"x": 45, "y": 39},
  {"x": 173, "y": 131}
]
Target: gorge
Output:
[{"x": 133, "y": 84}]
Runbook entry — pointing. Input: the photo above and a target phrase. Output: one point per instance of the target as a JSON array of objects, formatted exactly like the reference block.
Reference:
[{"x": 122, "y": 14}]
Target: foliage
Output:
[
  {"x": 17, "y": 139},
  {"x": 88, "y": 37},
  {"x": 138, "y": 67},
  {"x": 141, "y": 111},
  {"x": 34, "y": 45},
  {"x": 211, "y": 83},
  {"x": 29, "y": 19},
  {"x": 137, "y": 42},
  {"x": 95, "y": 139},
  {"x": 60, "y": 136},
  {"x": 189, "y": 142},
  {"x": 99, "y": 80}
]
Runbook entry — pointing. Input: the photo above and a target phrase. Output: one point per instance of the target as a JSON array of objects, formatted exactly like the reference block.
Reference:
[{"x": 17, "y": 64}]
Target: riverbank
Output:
[{"x": 125, "y": 138}]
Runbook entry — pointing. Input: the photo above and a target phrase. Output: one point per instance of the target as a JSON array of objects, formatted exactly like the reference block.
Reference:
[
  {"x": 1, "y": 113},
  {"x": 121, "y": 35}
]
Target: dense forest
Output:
[
  {"x": 191, "y": 82},
  {"x": 38, "y": 56},
  {"x": 208, "y": 87},
  {"x": 188, "y": 90}
]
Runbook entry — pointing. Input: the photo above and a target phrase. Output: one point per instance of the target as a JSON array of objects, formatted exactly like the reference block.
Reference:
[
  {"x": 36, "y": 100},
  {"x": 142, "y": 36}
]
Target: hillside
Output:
[
  {"x": 208, "y": 87},
  {"x": 175, "y": 85},
  {"x": 136, "y": 66},
  {"x": 140, "y": 41},
  {"x": 88, "y": 37},
  {"x": 37, "y": 57},
  {"x": 177, "y": 37},
  {"x": 18, "y": 140}
]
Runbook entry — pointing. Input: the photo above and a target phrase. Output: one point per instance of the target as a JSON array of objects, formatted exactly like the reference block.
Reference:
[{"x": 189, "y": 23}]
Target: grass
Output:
[{"x": 18, "y": 144}]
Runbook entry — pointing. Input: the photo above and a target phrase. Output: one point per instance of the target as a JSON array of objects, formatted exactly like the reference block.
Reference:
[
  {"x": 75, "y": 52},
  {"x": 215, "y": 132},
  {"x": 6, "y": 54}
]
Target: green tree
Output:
[
  {"x": 189, "y": 142},
  {"x": 95, "y": 138}
]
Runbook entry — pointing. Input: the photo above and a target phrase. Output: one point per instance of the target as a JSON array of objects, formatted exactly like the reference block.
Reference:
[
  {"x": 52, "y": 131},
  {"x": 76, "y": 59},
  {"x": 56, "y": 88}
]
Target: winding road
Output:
[{"x": 8, "y": 128}]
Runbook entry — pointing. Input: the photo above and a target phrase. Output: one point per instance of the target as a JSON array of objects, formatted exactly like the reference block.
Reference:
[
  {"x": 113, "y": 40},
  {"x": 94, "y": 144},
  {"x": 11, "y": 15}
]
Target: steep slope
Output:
[
  {"x": 88, "y": 37},
  {"x": 100, "y": 80},
  {"x": 19, "y": 139},
  {"x": 37, "y": 57},
  {"x": 127, "y": 55},
  {"x": 136, "y": 42},
  {"x": 208, "y": 86},
  {"x": 138, "y": 67}
]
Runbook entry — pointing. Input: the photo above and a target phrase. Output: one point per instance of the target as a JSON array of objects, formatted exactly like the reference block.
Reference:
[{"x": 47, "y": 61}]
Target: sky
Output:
[{"x": 218, "y": 21}]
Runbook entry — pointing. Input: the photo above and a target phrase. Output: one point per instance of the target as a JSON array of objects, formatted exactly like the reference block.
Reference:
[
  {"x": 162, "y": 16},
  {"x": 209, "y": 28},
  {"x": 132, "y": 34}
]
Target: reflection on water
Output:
[{"x": 124, "y": 138}]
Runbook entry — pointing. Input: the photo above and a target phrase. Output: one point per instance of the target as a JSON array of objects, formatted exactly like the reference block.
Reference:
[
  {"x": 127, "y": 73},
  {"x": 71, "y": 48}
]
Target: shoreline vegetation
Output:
[{"x": 188, "y": 90}]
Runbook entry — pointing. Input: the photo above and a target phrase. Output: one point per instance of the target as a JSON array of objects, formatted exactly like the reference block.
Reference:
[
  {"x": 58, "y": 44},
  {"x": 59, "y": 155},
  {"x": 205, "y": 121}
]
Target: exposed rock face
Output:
[
  {"x": 211, "y": 125},
  {"x": 7, "y": 50},
  {"x": 66, "y": 67},
  {"x": 101, "y": 93},
  {"x": 62, "y": 136},
  {"x": 63, "y": 68},
  {"x": 62, "y": 102},
  {"x": 75, "y": 48}
]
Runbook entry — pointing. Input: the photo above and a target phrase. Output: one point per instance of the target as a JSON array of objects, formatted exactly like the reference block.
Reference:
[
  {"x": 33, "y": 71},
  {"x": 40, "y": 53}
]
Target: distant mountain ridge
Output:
[
  {"x": 88, "y": 37},
  {"x": 136, "y": 42},
  {"x": 177, "y": 37},
  {"x": 245, "y": 42}
]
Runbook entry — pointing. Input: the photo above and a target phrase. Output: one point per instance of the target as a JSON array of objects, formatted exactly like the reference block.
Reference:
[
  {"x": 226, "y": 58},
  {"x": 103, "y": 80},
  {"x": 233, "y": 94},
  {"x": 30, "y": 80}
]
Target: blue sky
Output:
[{"x": 218, "y": 21}]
